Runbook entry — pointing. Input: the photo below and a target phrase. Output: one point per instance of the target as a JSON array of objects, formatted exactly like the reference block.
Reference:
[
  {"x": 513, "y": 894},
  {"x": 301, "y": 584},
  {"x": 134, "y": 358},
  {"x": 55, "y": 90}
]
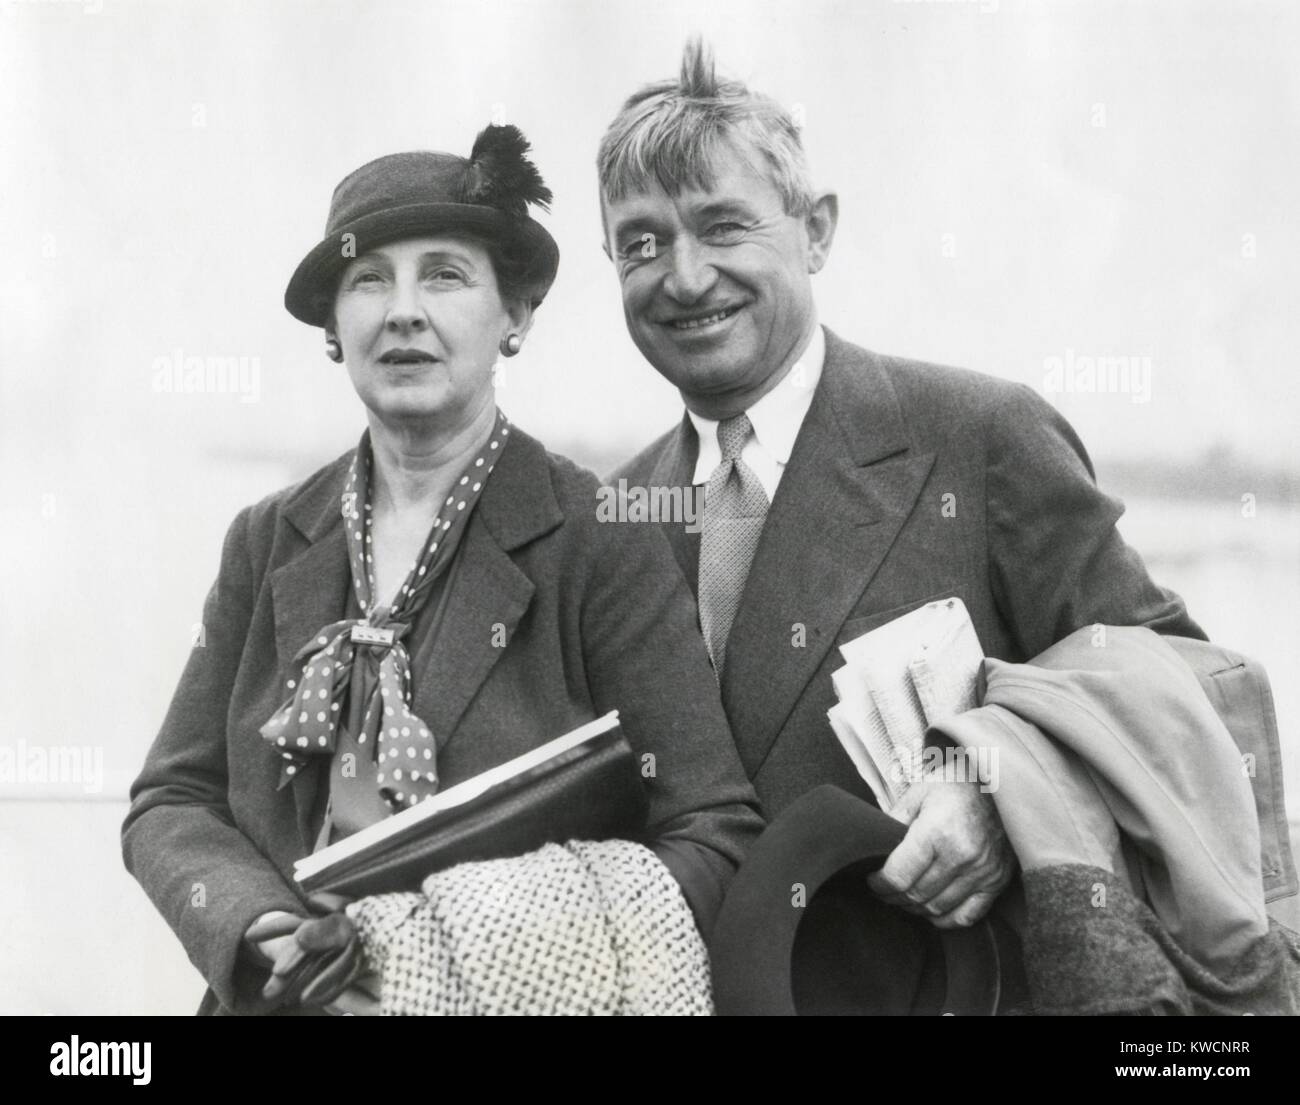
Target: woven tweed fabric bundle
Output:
[{"x": 576, "y": 929}]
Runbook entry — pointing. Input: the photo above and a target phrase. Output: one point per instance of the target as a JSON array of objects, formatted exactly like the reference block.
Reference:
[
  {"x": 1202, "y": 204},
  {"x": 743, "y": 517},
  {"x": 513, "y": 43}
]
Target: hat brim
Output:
[
  {"x": 839, "y": 949},
  {"x": 314, "y": 281}
]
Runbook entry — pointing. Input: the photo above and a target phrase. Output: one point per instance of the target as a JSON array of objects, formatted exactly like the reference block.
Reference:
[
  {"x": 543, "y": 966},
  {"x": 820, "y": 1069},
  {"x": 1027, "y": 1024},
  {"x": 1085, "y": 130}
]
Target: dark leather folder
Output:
[{"x": 591, "y": 792}]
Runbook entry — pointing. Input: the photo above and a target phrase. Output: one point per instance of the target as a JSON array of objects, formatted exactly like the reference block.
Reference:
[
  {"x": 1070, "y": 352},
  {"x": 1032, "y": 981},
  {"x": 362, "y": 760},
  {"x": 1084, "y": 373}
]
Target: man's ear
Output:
[
  {"x": 604, "y": 227},
  {"x": 820, "y": 225}
]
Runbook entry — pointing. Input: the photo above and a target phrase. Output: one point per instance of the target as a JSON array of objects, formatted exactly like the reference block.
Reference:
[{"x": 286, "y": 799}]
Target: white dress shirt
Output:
[{"x": 776, "y": 419}]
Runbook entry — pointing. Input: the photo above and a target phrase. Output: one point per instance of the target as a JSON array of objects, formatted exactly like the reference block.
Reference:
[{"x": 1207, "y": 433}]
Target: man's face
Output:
[{"x": 716, "y": 288}]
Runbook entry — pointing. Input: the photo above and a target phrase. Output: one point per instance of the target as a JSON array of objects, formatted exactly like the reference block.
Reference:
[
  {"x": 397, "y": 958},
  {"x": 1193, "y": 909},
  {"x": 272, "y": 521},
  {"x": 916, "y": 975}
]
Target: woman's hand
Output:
[
  {"x": 271, "y": 947},
  {"x": 361, "y": 999},
  {"x": 314, "y": 960}
]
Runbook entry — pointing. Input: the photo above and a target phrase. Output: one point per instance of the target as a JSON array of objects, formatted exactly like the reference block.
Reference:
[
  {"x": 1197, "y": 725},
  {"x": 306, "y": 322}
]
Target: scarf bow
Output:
[{"x": 356, "y": 672}]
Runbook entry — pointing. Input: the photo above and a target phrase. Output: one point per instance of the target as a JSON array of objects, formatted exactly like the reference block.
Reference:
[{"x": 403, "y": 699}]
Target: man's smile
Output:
[{"x": 701, "y": 320}]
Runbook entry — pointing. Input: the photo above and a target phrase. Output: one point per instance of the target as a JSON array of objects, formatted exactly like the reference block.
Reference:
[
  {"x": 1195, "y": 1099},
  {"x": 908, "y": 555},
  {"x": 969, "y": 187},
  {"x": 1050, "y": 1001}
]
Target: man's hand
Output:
[{"x": 954, "y": 860}]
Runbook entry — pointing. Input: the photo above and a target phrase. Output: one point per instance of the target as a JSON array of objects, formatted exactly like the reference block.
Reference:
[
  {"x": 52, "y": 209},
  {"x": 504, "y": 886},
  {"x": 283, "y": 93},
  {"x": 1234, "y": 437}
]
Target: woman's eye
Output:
[
  {"x": 444, "y": 276},
  {"x": 365, "y": 277}
]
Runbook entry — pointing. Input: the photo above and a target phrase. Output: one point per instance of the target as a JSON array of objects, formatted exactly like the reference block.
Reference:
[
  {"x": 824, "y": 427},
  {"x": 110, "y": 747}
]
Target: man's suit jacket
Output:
[
  {"x": 907, "y": 482},
  {"x": 594, "y": 617}
]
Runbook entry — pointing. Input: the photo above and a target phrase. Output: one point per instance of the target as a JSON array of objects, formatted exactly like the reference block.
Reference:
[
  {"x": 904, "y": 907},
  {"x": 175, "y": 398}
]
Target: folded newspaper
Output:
[{"x": 897, "y": 681}]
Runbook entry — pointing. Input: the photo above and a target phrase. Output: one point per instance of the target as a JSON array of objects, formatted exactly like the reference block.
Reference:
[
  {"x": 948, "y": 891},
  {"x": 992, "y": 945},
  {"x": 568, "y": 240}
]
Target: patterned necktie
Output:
[{"x": 735, "y": 508}]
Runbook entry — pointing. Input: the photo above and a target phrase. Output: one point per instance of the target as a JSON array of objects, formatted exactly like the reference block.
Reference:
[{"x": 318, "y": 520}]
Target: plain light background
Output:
[{"x": 1018, "y": 181}]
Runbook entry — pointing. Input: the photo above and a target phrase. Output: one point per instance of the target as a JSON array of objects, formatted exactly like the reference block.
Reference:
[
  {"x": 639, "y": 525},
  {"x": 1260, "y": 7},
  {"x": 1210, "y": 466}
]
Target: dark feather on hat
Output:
[{"x": 500, "y": 174}]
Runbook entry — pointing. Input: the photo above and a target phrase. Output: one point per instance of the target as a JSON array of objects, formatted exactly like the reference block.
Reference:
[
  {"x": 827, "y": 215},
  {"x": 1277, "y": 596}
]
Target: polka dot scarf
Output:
[{"x": 308, "y": 723}]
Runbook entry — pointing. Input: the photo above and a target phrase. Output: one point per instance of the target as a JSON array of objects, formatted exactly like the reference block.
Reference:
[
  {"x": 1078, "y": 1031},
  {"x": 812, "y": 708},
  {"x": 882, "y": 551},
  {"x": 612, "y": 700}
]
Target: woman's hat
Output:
[
  {"x": 801, "y": 933},
  {"x": 409, "y": 194}
]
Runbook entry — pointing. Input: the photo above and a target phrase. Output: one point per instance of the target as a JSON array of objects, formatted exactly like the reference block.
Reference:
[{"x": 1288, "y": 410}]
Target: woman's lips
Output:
[{"x": 408, "y": 371}]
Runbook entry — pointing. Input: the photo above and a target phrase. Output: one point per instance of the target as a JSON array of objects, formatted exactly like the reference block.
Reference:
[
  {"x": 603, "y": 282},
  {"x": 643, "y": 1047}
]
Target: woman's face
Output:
[{"x": 420, "y": 322}]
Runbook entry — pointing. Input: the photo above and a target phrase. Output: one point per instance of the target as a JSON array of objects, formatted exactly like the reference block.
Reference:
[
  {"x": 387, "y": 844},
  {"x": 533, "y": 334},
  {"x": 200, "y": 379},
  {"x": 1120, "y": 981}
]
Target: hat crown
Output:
[
  {"x": 397, "y": 180},
  {"x": 423, "y": 192}
]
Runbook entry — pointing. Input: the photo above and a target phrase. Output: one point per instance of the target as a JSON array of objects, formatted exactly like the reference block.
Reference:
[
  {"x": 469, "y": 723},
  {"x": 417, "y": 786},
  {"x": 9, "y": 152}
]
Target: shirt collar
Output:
[{"x": 776, "y": 417}]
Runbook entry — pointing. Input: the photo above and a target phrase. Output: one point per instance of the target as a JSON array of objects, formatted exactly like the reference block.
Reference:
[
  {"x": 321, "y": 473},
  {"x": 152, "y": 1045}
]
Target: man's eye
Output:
[
  {"x": 725, "y": 231},
  {"x": 645, "y": 246}
]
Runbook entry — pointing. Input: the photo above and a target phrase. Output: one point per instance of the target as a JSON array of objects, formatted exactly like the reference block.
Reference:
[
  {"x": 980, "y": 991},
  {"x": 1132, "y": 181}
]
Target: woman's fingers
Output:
[
  {"x": 287, "y": 972},
  {"x": 271, "y": 926},
  {"x": 335, "y": 977},
  {"x": 287, "y": 977},
  {"x": 287, "y": 961},
  {"x": 323, "y": 934},
  {"x": 354, "y": 1002}
]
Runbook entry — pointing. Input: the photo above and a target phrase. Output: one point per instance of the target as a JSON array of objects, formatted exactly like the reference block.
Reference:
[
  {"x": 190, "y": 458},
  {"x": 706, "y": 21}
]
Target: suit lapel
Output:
[
  {"x": 675, "y": 467},
  {"x": 851, "y": 483}
]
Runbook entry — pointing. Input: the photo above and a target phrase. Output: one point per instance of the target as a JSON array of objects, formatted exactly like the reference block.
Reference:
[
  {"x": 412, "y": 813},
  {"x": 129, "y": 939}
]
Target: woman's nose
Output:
[
  {"x": 690, "y": 275},
  {"x": 405, "y": 309}
]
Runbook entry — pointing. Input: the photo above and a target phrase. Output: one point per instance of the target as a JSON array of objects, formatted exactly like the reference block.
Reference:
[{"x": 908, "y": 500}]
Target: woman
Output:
[{"x": 510, "y": 615}]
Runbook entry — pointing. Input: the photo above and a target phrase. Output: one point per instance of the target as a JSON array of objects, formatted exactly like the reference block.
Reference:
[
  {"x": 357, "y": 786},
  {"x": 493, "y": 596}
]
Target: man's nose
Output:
[
  {"x": 405, "y": 309},
  {"x": 690, "y": 274}
]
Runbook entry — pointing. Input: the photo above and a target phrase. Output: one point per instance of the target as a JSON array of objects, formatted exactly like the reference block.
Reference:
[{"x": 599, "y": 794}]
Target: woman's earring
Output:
[
  {"x": 511, "y": 344},
  {"x": 333, "y": 350}
]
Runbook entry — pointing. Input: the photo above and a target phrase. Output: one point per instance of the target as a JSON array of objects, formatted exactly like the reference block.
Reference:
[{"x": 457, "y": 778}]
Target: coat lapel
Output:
[
  {"x": 308, "y": 593},
  {"x": 851, "y": 483},
  {"x": 489, "y": 592}
]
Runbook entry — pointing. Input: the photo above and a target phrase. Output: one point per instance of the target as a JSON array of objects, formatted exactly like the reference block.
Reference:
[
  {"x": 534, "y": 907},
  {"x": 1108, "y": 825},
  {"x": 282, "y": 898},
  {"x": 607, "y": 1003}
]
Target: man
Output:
[{"x": 843, "y": 488}]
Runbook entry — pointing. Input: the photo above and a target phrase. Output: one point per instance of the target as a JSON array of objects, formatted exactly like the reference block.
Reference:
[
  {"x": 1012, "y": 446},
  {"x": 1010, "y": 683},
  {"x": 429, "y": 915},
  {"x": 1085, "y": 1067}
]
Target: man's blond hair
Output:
[{"x": 671, "y": 131}]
